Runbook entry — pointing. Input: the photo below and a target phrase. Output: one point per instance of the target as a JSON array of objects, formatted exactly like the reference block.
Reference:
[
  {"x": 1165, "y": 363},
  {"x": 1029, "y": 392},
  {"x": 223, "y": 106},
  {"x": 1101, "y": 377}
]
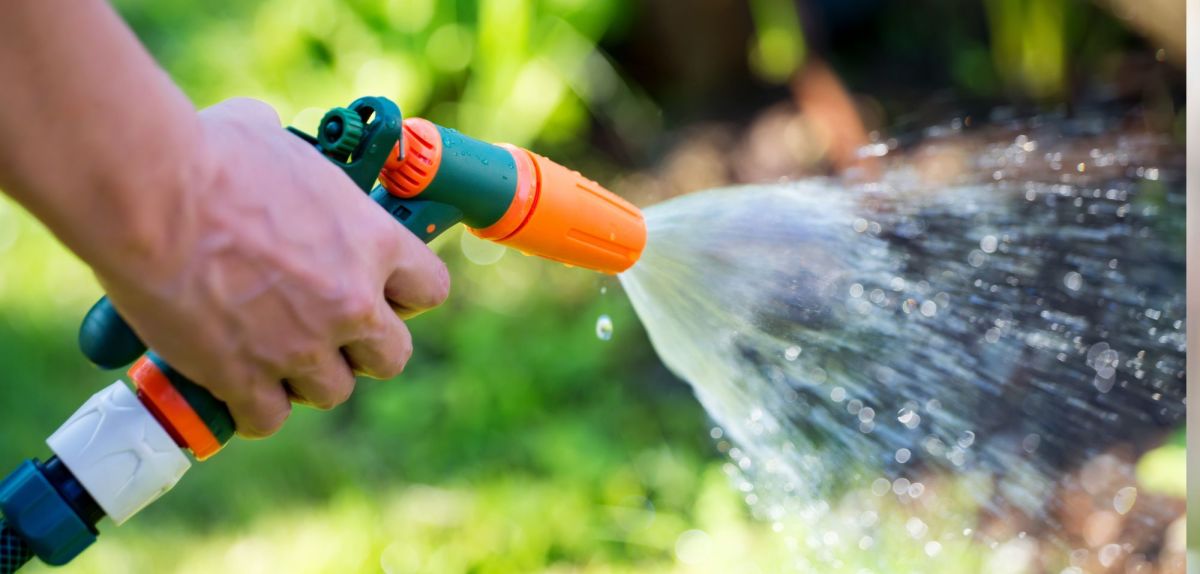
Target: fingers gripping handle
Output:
[{"x": 358, "y": 139}]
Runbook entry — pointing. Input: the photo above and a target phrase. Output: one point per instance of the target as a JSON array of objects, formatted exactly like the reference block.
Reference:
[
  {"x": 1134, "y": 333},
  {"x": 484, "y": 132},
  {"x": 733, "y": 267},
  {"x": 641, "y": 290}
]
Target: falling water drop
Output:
[
  {"x": 1073, "y": 280},
  {"x": 1124, "y": 500},
  {"x": 928, "y": 308},
  {"x": 988, "y": 244},
  {"x": 604, "y": 328}
]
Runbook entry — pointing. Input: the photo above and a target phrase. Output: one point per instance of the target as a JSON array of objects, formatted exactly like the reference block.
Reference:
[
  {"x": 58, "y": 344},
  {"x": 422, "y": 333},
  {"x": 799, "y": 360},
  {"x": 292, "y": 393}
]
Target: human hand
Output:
[{"x": 269, "y": 277}]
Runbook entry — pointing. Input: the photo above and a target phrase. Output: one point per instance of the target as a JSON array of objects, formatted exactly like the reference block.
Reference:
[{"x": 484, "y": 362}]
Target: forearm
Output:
[{"x": 94, "y": 136}]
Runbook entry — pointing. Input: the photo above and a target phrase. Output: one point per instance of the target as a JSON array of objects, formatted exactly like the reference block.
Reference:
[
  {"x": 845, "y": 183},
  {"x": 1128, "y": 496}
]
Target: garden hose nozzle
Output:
[
  {"x": 126, "y": 447},
  {"x": 515, "y": 197}
]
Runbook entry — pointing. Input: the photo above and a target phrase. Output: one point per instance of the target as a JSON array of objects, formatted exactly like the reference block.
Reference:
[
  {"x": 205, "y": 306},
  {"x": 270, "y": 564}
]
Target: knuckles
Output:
[
  {"x": 266, "y": 418},
  {"x": 358, "y": 307},
  {"x": 333, "y": 395},
  {"x": 300, "y": 359},
  {"x": 440, "y": 285}
]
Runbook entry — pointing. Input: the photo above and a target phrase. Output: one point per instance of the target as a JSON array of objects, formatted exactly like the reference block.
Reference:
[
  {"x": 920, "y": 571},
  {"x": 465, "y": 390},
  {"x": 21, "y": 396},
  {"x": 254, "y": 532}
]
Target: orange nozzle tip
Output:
[
  {"x": 422, "y": 156},
  {"x": 576, "y": 221}
]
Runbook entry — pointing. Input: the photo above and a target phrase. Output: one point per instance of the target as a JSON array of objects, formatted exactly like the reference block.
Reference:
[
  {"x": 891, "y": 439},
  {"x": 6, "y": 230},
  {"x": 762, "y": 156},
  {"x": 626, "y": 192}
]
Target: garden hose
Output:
[
  {"x": 126, "y": 447},
  {"x": 14, "y": 552}
]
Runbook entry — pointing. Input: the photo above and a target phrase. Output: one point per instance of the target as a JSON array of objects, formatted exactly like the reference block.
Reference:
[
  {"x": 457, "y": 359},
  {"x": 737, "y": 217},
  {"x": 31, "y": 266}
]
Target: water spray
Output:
[{"x": 126, "y": 447}]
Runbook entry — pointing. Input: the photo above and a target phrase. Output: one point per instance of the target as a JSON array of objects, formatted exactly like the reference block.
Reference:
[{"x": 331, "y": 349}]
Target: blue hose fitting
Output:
[{"x": 36, "y": 511}]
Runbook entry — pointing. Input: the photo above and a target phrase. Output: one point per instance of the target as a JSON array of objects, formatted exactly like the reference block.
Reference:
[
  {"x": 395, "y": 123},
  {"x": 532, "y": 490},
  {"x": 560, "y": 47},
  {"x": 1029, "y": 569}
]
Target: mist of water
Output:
[{"x": 905, "y": 369}]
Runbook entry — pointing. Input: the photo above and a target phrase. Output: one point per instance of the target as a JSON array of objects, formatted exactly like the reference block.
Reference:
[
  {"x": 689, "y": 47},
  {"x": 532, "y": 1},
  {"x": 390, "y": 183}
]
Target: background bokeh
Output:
[{"x": 518, "y": 441}]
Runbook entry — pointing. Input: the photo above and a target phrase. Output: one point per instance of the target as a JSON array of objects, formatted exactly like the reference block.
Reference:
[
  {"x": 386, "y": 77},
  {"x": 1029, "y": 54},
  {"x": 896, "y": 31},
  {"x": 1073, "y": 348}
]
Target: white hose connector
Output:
[{"x": 119, "y": 452}]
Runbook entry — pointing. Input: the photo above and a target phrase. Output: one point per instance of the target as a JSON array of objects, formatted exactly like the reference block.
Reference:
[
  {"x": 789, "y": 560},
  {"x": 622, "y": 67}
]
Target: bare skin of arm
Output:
[{"x": 237, "y": 252}]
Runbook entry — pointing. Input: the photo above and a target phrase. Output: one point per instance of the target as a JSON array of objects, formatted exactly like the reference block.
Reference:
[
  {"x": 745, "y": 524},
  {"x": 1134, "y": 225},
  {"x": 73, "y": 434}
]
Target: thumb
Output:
[{"x": 246, "y": 109}]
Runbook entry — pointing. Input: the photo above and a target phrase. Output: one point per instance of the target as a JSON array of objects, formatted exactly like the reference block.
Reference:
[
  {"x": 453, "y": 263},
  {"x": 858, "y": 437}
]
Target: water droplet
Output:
[
  {"x": 856, "y": 290},
  {"x": 480, "y": 251},
  {"x": 933, "y": 548},
  {"x": 1123, "y": 501},
  {"x": 1073, "y": 280},
  {"x": 693, "y": 547},
  {"x": 976, "y": 258},
  {"x": 916, "y": 527},
  {"x": 966, "y": 439},
  {"x": 791, "y": 352},
  {"x": 1109, "y": 554},
  {"x": 877, "y": 296},
  {"x": 988, "y": 244},
  {"x": 1031, "y": 442},
  {"x": 604, "y": 328},
  {"x": 903, "y": 455},
  {"x": 929, "y": 308}
]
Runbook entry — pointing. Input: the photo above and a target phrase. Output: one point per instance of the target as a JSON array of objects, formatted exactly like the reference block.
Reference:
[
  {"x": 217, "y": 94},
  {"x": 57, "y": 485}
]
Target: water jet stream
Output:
[{"x": 906, "y": 363}]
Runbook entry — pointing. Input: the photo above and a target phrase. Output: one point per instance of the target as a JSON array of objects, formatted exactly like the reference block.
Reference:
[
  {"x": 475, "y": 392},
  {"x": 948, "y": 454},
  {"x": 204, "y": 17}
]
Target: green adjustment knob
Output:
[{"x": 340, "y": 133}]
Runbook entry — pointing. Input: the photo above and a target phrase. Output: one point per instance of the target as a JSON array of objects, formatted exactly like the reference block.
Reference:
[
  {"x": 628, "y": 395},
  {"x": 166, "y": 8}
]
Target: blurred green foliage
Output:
[
  {"x": 516, "y": 440},
  {"x": 1029, "y": 43},
  {"x": 508, "y": 70},
  {"x": 552, "y": 447}
]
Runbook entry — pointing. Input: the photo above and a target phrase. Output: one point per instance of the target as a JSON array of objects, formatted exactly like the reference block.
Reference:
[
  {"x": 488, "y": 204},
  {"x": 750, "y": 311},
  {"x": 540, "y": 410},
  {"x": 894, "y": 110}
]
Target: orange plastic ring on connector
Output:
[
  {"x": 410, "y": 176},
  {"x": 160, "y": 396},
  {"x": 523, "y": 199}
]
